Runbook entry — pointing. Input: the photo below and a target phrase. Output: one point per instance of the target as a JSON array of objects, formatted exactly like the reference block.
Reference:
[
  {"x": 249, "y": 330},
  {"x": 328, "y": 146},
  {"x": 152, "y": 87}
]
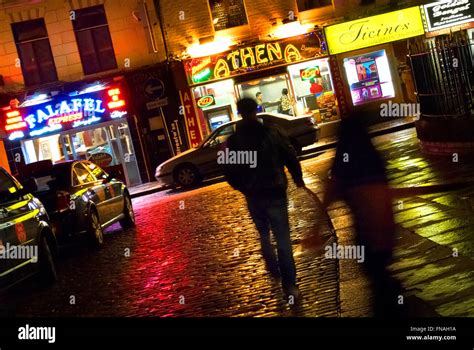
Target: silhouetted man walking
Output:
[{"x": 264, "y": 187}]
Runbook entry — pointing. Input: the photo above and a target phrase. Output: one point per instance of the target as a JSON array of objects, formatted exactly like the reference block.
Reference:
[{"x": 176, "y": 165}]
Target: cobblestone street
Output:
[{"x": 194, "y": 253}]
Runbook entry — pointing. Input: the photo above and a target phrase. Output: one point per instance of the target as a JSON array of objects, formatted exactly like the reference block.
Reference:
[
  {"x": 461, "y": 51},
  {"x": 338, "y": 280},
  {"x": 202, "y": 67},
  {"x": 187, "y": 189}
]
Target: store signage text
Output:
[
  {"x": 190, "y": 117},
  {"x": 206, "y": 101},
  {"x": 250, "y": 56},
  {"x": 444, "y": 14},
  {"x": 374, "y": 30},
  {"x": 259, "y": 56},
  {"x": 65, "y": 111}
]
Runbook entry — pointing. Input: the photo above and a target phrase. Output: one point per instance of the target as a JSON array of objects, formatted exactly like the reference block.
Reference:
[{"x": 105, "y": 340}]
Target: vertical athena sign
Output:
[{"x": 375, "y": 30}]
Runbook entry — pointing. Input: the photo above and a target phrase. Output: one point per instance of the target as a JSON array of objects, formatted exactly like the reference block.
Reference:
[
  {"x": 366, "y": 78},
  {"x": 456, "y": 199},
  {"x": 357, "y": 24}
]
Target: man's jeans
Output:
[{"x": 273, "y": 213}]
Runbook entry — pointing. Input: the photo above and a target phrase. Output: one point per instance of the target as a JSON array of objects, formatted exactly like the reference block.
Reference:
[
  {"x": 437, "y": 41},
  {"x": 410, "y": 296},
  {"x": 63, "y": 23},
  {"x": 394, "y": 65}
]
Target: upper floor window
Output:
[
  {"x": 93, "y": 39},
  {"x": 304, "y": 5},
  {"x": 227, "y": 13},
  {"x": 34, "y": 50}
]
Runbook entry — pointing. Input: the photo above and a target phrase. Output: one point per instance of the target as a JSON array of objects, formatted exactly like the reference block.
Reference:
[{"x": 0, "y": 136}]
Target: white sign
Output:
[{"x": 158, "y": 103}]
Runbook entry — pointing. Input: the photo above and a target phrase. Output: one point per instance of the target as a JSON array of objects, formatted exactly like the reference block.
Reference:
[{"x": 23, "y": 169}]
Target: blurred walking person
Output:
[
  {"x": 264, "y": 187},
  {"x": 358, "y": 176}
]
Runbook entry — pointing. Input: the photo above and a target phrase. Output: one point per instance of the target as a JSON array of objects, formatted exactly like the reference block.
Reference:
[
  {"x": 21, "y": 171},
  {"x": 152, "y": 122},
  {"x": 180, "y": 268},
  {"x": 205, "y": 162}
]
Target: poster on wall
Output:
[{"x": 369, "y": 77}]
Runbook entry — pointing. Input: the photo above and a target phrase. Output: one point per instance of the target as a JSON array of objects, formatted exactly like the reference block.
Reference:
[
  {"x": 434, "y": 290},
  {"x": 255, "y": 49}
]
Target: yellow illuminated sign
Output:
[{"x": 374, "y": 30}]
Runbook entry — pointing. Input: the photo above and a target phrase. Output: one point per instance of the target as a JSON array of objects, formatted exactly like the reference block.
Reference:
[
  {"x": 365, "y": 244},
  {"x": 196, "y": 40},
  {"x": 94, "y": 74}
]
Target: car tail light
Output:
[{"x": 63, "y": 201}]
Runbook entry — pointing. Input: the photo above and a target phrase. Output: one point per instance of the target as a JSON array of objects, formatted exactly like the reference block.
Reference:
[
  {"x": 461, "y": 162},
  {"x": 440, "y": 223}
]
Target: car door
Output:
[
  {"x": 96, "y": 191},
  {"x": 113, "y": 189},
  {"x": 19, "y": 228},
  {"x": 208, "y": 153}
]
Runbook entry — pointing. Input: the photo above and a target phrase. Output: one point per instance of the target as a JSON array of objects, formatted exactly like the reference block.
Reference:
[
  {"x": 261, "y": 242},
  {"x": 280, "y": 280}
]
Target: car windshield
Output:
[
  {"x": 220, "y": 135},
  {"x": 8, "y": 188}
]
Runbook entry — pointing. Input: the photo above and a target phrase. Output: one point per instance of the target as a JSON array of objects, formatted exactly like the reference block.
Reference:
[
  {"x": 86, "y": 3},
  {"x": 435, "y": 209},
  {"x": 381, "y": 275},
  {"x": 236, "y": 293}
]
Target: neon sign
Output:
[
  {"x": 206, "y": 101},
  {"x": 65, "y": 119},
  {"x": 76, "y": 110},
  {"x": 250, "y": 58},
  {"x": 63, "y": 109},
  {"x": 310, "y": 73},
  {"x": 14, "y": 121}
]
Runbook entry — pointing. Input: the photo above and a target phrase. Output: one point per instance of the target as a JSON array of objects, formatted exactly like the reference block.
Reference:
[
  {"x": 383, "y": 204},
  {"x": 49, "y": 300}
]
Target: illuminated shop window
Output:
[
  {"x": 314, "y": 90},
  {"x": 34, "y": 51},
  {"x": 369, "y": 77},
  {"x": 216, "y": 103},
  {"x": 227, "y": 13},
  {"x": 304, "y": 5},
  {"x": 267, "y": 92}
]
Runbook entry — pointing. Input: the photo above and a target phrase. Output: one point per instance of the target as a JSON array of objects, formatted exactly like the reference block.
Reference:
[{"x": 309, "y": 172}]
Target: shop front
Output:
[
  {"x": 295, "y": 70},
  {"x": 88, "y": 123},
  {"x": 370, "y": 54},
  {"x": 443, "y": 70}
]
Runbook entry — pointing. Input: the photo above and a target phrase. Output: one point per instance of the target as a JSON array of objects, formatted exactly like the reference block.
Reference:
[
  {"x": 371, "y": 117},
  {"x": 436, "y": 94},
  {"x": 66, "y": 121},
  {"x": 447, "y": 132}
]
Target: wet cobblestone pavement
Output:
[{"x": 194, "y": 253}]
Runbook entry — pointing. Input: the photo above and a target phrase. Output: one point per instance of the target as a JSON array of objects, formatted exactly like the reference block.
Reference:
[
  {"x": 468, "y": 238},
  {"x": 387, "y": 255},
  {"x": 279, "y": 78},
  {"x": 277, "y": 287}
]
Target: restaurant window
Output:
[
  {"x": 267, "y": 92},
  {"x": 304, "y": 5},
  {"x": 227, "y": 13},
  {"x": 222, "y": 106},
  {"x": 314, "y": 90},
  {"x": 34, "y": 51},
  {"x": 93, "y": 39}
]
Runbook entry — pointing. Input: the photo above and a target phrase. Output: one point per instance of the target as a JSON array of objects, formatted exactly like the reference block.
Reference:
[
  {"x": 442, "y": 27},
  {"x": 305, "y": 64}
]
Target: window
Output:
[
  {"x": 96, "y": 171},
  {"x": 94, "y": 41},
  {"x": 304, "y": 5},
  {"x": 227, "y": 13},
  {"x": 34, "y": 51},
  {"x": 222, "y": 135},
  {"x": 81, "y": 175},
  {"x": 8, "y": 188}
]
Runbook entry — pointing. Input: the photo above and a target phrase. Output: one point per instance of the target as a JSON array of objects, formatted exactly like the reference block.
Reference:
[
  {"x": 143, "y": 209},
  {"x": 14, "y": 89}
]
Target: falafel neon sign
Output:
[{"x": 65, "y": 111}]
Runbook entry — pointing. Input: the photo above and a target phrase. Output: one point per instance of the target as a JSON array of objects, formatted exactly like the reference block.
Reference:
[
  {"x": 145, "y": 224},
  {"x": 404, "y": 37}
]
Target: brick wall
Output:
[
  {"x": 185, "y": 21},
  {"x": 130, "y": 37}
]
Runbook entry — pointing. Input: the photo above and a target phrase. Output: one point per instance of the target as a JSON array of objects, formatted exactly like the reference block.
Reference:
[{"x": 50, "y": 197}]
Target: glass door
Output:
[{"x": 108, "y": 146}]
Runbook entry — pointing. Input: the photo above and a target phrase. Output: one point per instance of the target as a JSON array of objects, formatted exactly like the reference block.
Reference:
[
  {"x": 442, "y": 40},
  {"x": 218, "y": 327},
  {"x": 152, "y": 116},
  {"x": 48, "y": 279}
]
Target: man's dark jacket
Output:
[{"x": 274, "y": 152}]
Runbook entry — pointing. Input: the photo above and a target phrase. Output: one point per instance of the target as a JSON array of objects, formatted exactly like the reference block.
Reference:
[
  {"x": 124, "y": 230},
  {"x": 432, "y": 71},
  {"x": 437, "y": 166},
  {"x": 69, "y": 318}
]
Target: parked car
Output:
[
  {"x": 80, "y": 198},
  {"x": 27, "y": 242},
  {"x": 192, "y": 166}
]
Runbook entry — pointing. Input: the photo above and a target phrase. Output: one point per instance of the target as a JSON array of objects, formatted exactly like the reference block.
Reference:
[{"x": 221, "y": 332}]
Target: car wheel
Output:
[
  {"x": 129, "y": 215},
  {"x": 47, "y": 269},
  {"x": 186, "y": 176},
  {"x": 96, "y": 233}
]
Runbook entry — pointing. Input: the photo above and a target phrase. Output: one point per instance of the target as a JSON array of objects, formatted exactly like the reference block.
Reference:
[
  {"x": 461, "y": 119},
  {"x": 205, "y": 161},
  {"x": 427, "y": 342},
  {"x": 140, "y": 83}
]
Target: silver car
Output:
[{"x": 194, "y": 165}]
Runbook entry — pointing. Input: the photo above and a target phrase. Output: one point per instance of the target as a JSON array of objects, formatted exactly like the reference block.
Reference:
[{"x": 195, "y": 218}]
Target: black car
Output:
[
  {"x": 27, "y": 242},
  {"x": 81, "y": 198}
]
